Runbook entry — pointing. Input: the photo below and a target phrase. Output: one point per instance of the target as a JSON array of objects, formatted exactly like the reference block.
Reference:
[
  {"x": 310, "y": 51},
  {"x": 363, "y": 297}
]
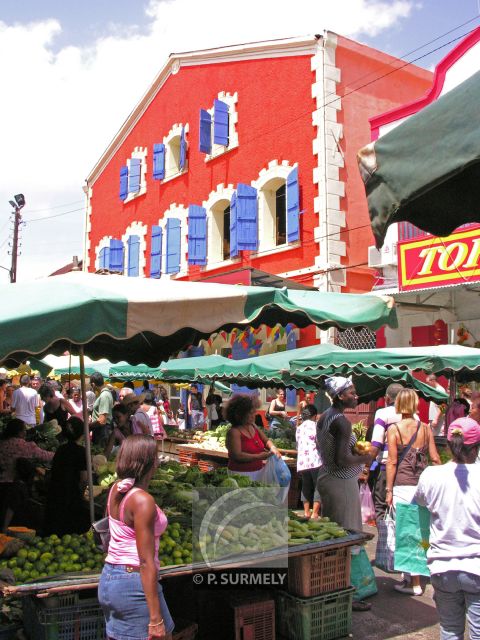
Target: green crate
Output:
[
  {"x": 320, "y": 618},
  {"x": 63, "y": 617}
]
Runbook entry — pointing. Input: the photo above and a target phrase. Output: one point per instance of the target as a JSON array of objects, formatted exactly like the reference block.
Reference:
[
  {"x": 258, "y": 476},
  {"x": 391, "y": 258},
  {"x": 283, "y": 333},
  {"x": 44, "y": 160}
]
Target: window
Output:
[
  {"x": 170, "y": 156},
  {"x": 173, "y": 245},
  {"x": 280, "y": 216},
  {"x": 218, "y": 126},
  {"x": 109, "y": 254},
  {"x": 279, "y": 207},
  {"x": 226, "y": 233},
  {"x": 133, "y": 175},
  {"x": 134, "y": 249},
  {"x": 219, "y": 248}
]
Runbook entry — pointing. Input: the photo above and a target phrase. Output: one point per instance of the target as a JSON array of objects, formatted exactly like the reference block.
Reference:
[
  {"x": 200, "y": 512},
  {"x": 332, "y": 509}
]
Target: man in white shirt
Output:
[
  {"x": 435, "y": 417},
  {"x": 383, "y": 419},
  {"x": 25, "y": 401}
]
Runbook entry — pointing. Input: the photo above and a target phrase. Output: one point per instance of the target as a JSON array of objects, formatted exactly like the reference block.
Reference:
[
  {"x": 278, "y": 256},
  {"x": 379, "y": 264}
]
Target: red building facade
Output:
[{"x": 245, "y": 157}]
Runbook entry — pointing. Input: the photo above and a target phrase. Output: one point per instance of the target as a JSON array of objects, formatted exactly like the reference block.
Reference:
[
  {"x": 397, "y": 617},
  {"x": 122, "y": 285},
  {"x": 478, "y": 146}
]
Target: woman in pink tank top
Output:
[{"x": 129, "y": 592}]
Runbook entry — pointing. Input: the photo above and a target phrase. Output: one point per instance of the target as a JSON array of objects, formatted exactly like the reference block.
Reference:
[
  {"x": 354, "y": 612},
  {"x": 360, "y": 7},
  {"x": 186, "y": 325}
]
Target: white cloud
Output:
[{"x": 60, "y": 110}]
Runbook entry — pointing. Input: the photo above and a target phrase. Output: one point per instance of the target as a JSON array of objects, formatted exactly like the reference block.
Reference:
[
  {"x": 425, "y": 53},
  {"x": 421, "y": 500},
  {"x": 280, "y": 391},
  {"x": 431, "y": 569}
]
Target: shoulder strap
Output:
[
  {"x": 121, "y": 510},
  {"x": 401, "y": 457},
  {"x": 399, "y": 434}
]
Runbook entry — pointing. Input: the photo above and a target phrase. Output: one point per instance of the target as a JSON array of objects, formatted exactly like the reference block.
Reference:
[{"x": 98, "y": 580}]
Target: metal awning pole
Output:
[{"x": 88, "y": 449}]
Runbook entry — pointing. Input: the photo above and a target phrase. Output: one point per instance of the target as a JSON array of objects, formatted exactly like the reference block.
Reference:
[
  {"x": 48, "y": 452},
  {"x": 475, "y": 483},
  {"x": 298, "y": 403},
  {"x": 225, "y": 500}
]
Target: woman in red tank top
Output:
[{"x": 247, "y": 446}]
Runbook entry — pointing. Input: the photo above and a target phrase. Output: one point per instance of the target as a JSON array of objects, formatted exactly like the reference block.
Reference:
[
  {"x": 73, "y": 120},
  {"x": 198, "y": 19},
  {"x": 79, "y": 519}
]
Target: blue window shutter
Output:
[
  {"x": 156, "y": 252},
  {"x": 205, "y": 131},
  {"x": 233, "y": 227},
  {"x": 183, "y": 149},
  {"x": 116, "y": 255},
  {"x": 103, "y": 258},
  {"x": 123, "y": 182},
  {"x": 133, "y": 256},
  {"x": 134, "y": 175},
  {"x": 293, "y": 206},
  {"x": 158, "y": 161},
  {"x": 247, "y": 214},
  {"x": 197, "y": 234},
  {"x": 174, "y": 241},
  {"x": 220, "y": 123}
]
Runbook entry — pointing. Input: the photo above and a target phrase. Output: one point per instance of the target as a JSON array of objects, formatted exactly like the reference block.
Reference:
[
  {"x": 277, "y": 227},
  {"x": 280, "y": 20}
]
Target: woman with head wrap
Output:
[{"x": 341, "y": 463}]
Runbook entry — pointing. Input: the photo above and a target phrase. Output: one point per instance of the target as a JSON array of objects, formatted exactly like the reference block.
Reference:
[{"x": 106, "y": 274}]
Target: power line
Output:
[
  {"x": 58, "y": 206},
  {"x": 57, "y": 215}
]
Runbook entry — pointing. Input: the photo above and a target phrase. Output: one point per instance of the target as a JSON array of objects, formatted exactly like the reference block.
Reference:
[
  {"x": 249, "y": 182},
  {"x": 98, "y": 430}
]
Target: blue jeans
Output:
[
  {"x": 122, "y": 599},
  {"x": 457, "y": 594}
]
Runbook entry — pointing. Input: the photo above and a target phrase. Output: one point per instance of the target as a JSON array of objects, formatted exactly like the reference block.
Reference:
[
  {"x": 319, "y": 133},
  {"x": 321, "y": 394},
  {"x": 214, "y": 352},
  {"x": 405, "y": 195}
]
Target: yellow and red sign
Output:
[{"x": 433, "y": 262}]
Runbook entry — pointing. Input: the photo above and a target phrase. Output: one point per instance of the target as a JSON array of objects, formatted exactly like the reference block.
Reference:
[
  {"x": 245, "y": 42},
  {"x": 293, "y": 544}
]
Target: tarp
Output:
[
  {"x": 427, "y": 170},
  {"x": 275, "y": 369},
  {"x": 146, "y": 320},
  {"x": 439, "y": 359}
]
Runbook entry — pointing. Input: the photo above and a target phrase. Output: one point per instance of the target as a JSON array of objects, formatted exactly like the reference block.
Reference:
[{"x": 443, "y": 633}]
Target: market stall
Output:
[{"x": 141, "y": 320}]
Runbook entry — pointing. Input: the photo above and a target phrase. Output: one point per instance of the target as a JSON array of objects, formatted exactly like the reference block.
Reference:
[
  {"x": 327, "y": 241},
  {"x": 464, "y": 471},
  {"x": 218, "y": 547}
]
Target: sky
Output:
[{"x": 64, "y": 94}]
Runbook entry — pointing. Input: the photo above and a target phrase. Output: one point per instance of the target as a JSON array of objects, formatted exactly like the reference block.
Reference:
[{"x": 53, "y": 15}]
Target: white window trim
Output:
[
  {"x": 139, "y": 153},
  {"x": 181, "y": 212},
  {"x": 103, "y": 244},
  {"x": 218, "y": 149},
  {"x": 220, "y": 193},
  {"x": 274, "y": 171},
  {"x": 135, "y": 229},
  {"x": 175, "y": 132}
]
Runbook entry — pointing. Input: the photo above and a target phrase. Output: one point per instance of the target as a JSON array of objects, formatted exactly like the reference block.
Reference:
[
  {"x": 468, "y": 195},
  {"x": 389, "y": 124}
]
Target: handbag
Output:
[
  {"x": 412, "y": 535},
  {"x": 385, "y": 551},
  {"x": 101, "y": 533}
]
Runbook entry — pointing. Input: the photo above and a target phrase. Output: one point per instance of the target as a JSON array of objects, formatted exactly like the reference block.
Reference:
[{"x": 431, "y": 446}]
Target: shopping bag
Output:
[
  {"x": 366, "y": 503},
  {"x": 412, "y": 534},
  {"x": 385, "y": 551},
  {"x": 362, "y": 575},
  {"x": 276, "y": 472}
]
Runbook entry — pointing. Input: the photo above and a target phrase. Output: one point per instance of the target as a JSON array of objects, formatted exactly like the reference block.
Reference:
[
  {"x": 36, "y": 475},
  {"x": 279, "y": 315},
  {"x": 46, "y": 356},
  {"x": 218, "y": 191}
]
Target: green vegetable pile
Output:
[
  {"x": 45, "y": 557},
  {"x": 175, "y": 545},
  {"x": 313, "y": 531},
  {"x": 45, "y": 436},
  {"x": 284, "y": 443}
]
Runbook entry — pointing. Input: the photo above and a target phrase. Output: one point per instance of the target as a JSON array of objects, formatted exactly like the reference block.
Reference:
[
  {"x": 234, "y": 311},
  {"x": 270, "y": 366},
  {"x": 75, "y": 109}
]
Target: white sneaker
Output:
[{"x": 408, "y": 590}]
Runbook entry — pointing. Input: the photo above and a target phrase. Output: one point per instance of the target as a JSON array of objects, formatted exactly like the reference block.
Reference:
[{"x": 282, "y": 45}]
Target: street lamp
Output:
[{"x": 17, "y": 204}]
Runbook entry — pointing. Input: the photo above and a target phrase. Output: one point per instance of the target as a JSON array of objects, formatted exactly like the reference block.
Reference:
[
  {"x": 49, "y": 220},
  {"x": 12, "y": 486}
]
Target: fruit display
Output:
[
  {"x": 45, "y": 557},
  {"x": 313, "y": 530},
  {"x": 213, "y": 440},
  {"x": 175, "y": 545},
  {"x": 105, "y": 470},
  {"x": 284, "y": 443}
]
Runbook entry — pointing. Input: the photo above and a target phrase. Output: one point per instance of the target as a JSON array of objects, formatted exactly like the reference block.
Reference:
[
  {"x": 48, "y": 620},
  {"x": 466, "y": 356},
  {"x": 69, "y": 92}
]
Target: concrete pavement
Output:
[{"x": 394, "y": 615}]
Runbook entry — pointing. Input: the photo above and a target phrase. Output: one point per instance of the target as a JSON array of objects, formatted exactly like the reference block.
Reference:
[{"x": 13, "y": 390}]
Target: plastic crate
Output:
[
  {"x": 321, "y": 618},
  {"x": 65, "y": 617},
  {"x": 189, "y": 458},
  {"x": 319, "y": 573},
  {"x": 237, "y": 615},
  {"x": 255, "y": 620}
]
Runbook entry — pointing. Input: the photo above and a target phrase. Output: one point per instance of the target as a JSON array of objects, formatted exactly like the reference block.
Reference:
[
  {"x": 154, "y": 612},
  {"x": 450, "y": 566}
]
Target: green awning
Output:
[
  {"x": 441, "y": 359},
  {"x": 275, "y": 369},
  {"x": 146, "y": 320},
  {"x": 427, "y": 170}
]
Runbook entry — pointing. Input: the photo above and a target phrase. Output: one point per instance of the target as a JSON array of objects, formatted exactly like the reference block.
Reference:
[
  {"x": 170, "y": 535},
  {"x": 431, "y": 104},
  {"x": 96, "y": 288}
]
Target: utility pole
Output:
[{"x": 18, "y": 203}]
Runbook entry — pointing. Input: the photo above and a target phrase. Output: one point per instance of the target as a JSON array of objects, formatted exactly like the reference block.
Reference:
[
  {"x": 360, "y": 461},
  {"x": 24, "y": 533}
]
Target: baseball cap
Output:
[{"x": 468, "y": 427}]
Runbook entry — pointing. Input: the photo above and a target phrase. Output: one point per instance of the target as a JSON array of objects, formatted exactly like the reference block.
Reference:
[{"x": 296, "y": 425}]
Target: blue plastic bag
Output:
[{"x": 276, "y": 472}]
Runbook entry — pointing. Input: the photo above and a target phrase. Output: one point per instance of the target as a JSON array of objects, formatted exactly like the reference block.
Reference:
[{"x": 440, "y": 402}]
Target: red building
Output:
[{"x": 245, "y": 157}]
